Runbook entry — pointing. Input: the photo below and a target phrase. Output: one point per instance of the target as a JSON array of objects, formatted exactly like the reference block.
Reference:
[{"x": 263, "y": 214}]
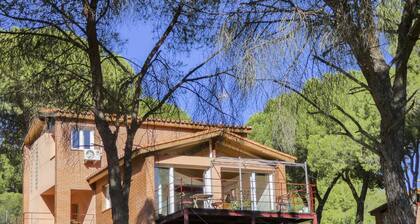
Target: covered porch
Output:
[{"x": 233, "y": 187}]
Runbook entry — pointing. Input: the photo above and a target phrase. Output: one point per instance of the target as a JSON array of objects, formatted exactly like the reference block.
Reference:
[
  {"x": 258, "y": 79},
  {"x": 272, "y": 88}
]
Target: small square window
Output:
[{"x": 82, "y": 138}]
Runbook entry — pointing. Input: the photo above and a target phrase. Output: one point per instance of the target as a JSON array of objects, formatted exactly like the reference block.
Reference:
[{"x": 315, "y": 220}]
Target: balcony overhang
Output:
[
  {"x": 227, "y": 138},
  {"x": 216, "y": 216}
]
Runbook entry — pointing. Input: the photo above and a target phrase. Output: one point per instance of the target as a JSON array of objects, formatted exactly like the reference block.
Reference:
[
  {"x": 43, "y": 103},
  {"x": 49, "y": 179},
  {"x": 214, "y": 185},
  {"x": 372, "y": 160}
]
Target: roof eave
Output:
[
  {"x": 197, "y": 138},
  {"x": 35, "y": 130},
  {"x": 88, "y": 116}
]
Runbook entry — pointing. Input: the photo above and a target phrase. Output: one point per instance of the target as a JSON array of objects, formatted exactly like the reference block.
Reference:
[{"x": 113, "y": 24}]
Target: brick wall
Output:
[
  {"x": 141, "y": 199},
  {"x": 71, "y": 173},
  {"x": 72, "y": 170}
]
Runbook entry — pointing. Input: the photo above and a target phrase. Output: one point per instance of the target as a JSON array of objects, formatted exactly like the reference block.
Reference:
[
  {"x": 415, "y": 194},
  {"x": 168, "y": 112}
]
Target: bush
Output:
[{"x": 10, "y": 208}]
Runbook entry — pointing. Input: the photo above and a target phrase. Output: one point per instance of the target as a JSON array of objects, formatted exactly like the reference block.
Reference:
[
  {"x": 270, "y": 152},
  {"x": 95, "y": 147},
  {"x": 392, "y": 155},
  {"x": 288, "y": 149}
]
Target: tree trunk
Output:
[
  {"x": 319, "y": 210},
  {"x": 360, "y": 212},
  {"x": 323, "y": 200},
  {"x": 119, "y": 202},
  {"x": 360, "y": 199},
  {"x": 391, "y": 155},
  {"x": 399, "y": 207},
  {"x": 388, "y": 92}
]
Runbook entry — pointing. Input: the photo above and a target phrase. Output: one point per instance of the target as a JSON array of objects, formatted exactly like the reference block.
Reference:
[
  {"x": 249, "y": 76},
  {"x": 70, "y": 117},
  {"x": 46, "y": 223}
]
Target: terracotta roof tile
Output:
[{"x": 89, "y": 116}]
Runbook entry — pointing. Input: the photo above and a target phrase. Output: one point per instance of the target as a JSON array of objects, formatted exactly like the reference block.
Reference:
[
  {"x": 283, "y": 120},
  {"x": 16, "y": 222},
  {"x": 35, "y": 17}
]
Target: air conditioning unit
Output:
[{"x": 92, "y": 154}]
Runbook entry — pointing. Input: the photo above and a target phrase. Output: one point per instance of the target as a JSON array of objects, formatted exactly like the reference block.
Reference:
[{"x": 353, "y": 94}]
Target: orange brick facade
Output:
[{"x": 56, "y": 184}]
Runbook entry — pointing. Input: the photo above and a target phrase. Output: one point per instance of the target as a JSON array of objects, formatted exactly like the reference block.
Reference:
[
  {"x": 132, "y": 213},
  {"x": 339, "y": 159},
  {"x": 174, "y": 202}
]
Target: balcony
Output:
[{"x": 234, "y": 190}]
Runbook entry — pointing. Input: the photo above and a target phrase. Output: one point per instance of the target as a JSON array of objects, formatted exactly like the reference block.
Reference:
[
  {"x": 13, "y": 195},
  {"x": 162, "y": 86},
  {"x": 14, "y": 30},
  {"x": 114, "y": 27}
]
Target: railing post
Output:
[
  {"x": 182, "y": 195},
  {"x": 240, "y": 185},
  {"x": 312, "y": 208},
  {"x": 308, "y": 196}
]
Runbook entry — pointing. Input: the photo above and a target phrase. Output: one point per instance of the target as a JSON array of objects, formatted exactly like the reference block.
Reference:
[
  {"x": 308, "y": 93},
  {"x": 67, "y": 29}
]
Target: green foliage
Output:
[
  {"x": 332, "y": 94},
  {"x": 261, "y": 128},
  {"x": 341, "y": 206},
  {"x": 7, "y": 174},
  {"x": 167, "y": 111},
  {"x": 319, "y": 141},
  {"x": 35, "y": 75},
  {"x": 10, "y": 206},
  {"x": 276, "y": 125},
  {"x": 321, "y": 137}
]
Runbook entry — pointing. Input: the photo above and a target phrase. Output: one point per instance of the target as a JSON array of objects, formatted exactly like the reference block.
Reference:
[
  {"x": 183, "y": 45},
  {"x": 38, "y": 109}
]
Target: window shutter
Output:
[
  {"x": 92, "y": 139},
  {"x": 75, "y": 143},
  {"x": 86, "y": 139}
]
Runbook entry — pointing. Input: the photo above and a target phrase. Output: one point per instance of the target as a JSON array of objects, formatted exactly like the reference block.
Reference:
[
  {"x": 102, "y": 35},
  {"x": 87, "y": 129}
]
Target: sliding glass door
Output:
[
  {"x": 165, "y": 195},
  {"x": 262, "y": 192}
]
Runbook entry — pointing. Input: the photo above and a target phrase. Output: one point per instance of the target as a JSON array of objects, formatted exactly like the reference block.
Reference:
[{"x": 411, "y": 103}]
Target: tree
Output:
[
  {"x": 340, "y": 36},
  {"x": 10, "y": 208},
  {"x": 7, "y": 174},
  {"x": 86, "y": 26},
  {"x": 341, "y": 207},
  {"x": 266, "y": 131},
  {"x": 330, "y": 156},
  {"x": 357, "y": 165}
]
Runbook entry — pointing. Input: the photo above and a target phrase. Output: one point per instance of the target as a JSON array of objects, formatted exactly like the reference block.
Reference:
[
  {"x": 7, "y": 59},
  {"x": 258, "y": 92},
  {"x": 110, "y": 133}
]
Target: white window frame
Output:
[
  {"x": 207, "y": 186},
  {"x": 81, "y": 138},
  {"x": 158, "y": 185},
  {"x": 107, "y": 198},
  {"x": 253, "y": 183},
  {"x": 171, "y": 190},
  {"x": 271, "y": 190}
]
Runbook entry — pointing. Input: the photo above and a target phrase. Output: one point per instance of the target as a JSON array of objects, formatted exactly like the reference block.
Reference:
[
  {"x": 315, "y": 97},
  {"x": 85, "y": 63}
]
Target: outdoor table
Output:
[{"x": 200, "y": 197}]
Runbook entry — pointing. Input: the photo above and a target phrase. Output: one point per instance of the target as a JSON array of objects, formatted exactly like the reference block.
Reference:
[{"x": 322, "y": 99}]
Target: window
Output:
[
  {"x": 82, "y": 138},
  {"x": 107, "y": 198}
]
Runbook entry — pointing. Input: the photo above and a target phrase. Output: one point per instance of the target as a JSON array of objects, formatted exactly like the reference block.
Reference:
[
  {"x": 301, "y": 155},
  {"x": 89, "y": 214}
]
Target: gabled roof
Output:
[
  {"x": 87, "y": 115},
  {"x": 200, "y": 137},
  {"x": 37, "y": 124}
]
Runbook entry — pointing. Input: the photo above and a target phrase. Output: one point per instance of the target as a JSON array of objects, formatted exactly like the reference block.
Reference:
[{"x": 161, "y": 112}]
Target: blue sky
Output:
[{"x": 139, "y": 40}]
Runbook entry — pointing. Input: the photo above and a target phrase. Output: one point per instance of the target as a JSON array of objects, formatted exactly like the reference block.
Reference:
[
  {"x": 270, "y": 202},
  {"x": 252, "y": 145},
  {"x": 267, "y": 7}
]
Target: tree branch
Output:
[
  {"x": 151, "y": 55},
  {"x": 341, "y": 70},
  {"x": 328, "y": 115},
  {"x": 347, "y": 179},
  {"x": 359, "y": 127}
]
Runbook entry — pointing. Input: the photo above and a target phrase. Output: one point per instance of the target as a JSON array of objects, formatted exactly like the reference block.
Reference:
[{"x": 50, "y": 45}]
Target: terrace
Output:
[{"x": 234, "y": 190}]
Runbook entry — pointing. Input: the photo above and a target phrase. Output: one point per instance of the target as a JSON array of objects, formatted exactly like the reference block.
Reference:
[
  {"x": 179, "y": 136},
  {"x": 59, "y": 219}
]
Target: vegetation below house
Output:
[{"x": 10, "y": 208}]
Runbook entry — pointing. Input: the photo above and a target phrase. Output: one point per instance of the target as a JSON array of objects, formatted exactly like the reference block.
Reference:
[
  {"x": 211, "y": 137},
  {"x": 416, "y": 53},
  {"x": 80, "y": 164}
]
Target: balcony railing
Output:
[
  {"x": 207, "y": 193},
  {"x": 47, "y": 217}
]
